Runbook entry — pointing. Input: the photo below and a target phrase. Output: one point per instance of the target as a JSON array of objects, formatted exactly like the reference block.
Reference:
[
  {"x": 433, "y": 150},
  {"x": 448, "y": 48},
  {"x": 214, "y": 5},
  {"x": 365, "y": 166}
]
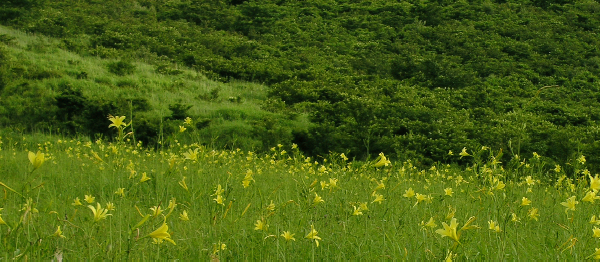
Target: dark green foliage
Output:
[
  {"x": 179, "y": 111},
  {"x": 410, "y": 79},
  {"x": 121, "y": 68}
]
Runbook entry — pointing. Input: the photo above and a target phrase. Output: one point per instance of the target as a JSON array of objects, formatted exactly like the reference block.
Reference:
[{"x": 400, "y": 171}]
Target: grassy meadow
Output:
[{"x": 77, "y": 199}]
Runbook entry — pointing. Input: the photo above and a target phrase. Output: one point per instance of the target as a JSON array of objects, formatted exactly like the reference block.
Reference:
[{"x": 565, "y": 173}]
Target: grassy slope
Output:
[{"x": 31, "y": 52}]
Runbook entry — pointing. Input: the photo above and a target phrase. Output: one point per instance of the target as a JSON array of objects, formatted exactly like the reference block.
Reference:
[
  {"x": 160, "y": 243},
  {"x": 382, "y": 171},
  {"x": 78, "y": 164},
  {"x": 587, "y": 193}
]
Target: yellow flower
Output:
[
  {"x": 120, "y": 192},
  {"x": 76, "y": 202},
  {"x": 219, "y": 200},
  {"x": 99, "y": 212},
  {"x": 363, "y": 206},
  {"x": 313, "y": 235},
  {"x": 288, "y": 236},
  {"x": 261, "y": 225},
  {"x": 161, "y": 234},
  {"x": 218, "y": 191},
  {"x": 191, "y": 155},
  {"x": 581, "y": 159},
  {"x": 378, "y": 198},
  {"x": 590, "y": 197},
  {"x": 271, "y": 206},
  {"x": 451, "y": 212},
  {"x": 2, "y": 220},
  {"x": 184, "y": 216},
  {"x": 58, "y": 233},
  {"x": 594, "y": 183},
  {"x": 463, "y": 153},
  {"x": 317, "y": 199},
  {"x": 449, "y": 230},
  {"x": 117, "y": 121},
  {"x": 182, "y": 129},
  {"x": 570, "y": 204},
  {"x": 183, "y": 184},
  {"x": 525, "y": 201},
  {"x": 187, "y": 121},
  {"x": 594, "y": 220},
  {"x": 144, "y": 178},
  {"x": 448, "y": 192},
  {"x": 494, "y": 226},
  {"x": 383, "y": 161},
  {"x": 90, "y": 199},
  {"x": 357, "y": 211},
  {"x": 409, "y": 193},
  {"x": 514, "y": 217},
  {"x": 529, "y": 181},
  {"x": 596, "y": 232},
  {"x": 36, "y": 159},
  {"x": 500, "y": 185},
  {"x": 533, "y": 213},
  {"x": 557, "y": 168},
  {"x": 110, "y": 206},
  {"x": 156, "y": 210},
  {"x": 247, "y": 179},
  {"x": 430, "y": 223},
  {"x": 420, "y": 198}
]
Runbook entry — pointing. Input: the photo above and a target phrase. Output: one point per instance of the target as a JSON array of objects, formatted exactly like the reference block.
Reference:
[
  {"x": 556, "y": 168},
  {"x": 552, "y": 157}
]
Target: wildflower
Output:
[
  {"x": 288, "y": 236},
  {"x": 343, "y": 156},
  {"x": 596, "y": 232},
  {"x": 383, "y": 161},
  {"x": 378, "y": 198},
  {"x": 450, "y": 153},
  {"x": 525, "y": 201},
  {"x": 317, "y": 199},
  {"x": 409, "y": 193},
  {"x": 357, "y": 211},
  {"x": 117, "y": 121},
  {"x": 120, "y": 192},
  {"x": 533, "y": 213},
  {"x": 590, "y": 197},
  {"x": 187, "y": 121},
  {"x": 247, "y": 179},
  {"x": 218, "y": 191},
  {"x": 191, "y": 155},
  {"x": 468, "y": 224},
  {"x": 271, "y": 206},
  {"x": 594, "y": 183},
  {"x": 58, "y": 233},
  {"x": 184, "y": 216},
  {"x": 463, "y": 153},
  {"x": 110, "y": 206},
  {"x": 499, "y": 186},
  {"x": 448, "y": 191},
  {"x": 219, "y": 200},
  {"x": 156, "y": 210},
  {"x": 36, "y": 159},
  {"x": 514, "y": 217},
  {"x": 557, "y": 168},
  {"x": 183, "y": 184},
  {"x": 161, "y": 234},
  {"x": 380, "y": 185},
  {"x": 419, "y": 198},
  {"x": 89, "y": 199},
  {"x": 594, "y": 220},
  {"x": 363, "y": 206},
  {"x": 581, "y": 159},
  {"x": 449, "y": 231},
  {"x": 494, "y": 226},
  {"x": 570, "y": 204},
  {"x": 99, "y": 212},
  {"x": 430, "y": 223},
  {"x": 451, "y": 212},
  {"x": 313, "y": 235},
  {"x": 333, "y": 184},
  {"x": 144, "y": 178},
  {"x": 76, "y": 202},
  {"x": 2, "y": 222},
  {"x": 260, "y": 225},
  {"x": 529, "y": 181}
]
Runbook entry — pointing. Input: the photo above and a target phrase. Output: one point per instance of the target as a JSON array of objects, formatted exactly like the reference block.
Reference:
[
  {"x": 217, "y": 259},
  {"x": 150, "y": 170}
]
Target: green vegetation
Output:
[
  {"x": 95, "y": 200},
  {"x": 412, "y": 79}
]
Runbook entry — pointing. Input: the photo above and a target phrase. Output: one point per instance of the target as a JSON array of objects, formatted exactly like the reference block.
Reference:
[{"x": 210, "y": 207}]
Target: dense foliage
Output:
[{"x": 411, "y": 79}]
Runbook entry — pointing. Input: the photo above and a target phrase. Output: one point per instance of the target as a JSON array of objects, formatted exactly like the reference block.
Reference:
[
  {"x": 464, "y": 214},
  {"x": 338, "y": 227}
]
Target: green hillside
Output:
[{"x": 412, "y": 79}]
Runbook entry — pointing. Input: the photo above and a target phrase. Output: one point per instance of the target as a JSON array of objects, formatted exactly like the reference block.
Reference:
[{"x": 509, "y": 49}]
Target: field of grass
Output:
[{"x": 77, "y": 199}]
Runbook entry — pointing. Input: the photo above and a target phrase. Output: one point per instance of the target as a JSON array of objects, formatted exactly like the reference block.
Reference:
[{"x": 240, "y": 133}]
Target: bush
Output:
[{"x": 121, "y": 68}]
